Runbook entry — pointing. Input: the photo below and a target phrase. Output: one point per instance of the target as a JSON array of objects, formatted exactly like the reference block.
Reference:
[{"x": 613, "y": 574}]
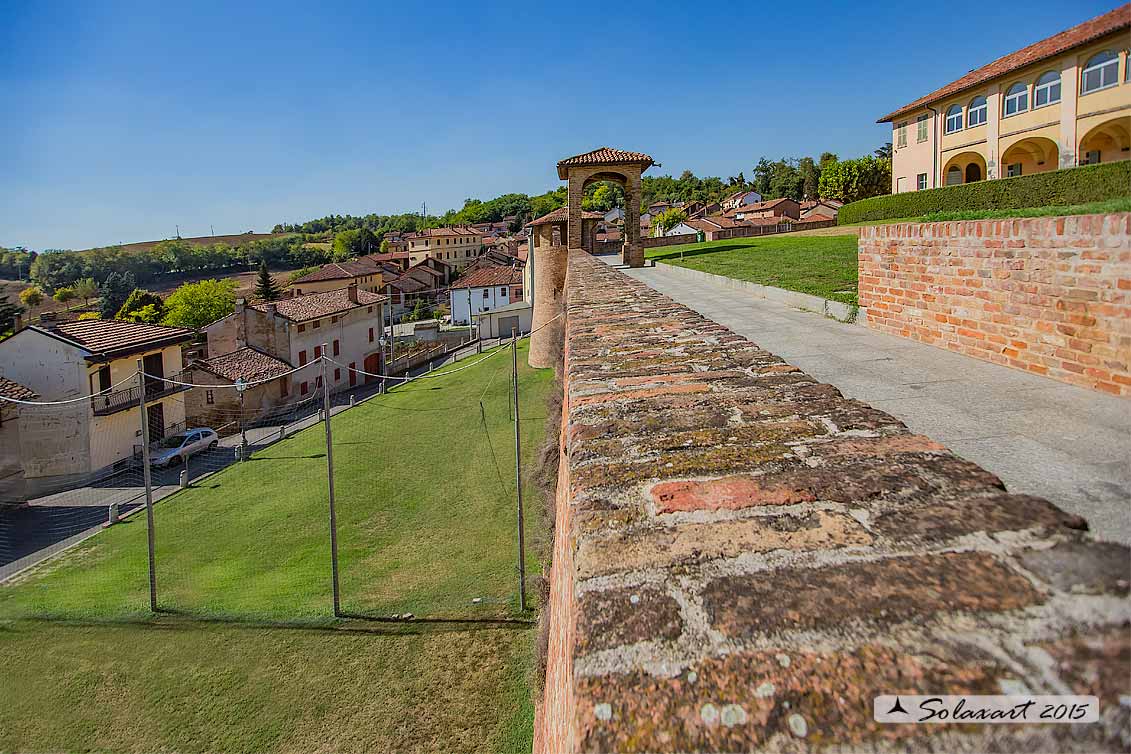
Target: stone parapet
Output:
[
  {"x": 1049, "y": 295},
  {"x": 744, "y": 558}
]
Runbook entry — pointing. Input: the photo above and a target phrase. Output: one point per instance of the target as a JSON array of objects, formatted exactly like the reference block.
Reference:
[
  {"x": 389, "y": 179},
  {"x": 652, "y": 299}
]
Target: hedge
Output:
[{"x": 1089, "y": 183}]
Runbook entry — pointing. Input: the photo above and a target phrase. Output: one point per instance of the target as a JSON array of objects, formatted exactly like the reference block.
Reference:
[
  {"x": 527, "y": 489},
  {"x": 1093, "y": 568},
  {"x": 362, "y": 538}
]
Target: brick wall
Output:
[
  {"x": 1047, "y": 295},
  {"x": 743, "y": 558},
  {"x": 651, "y": 243}
]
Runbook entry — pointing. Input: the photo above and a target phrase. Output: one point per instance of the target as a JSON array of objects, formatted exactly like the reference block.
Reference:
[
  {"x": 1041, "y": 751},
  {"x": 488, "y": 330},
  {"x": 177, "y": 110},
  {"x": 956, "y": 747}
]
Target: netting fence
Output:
[{"x": 393, "y": 496}]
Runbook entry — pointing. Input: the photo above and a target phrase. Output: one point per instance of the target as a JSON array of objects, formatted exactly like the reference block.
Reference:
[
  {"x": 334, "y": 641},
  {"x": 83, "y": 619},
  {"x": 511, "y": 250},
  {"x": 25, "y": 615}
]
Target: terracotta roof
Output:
[
  {"x": 1100, "y": 26},
  {"x": 112, "y": 337},
  {"x": 315, "y": 305},
  {"x": 247, "y": 362},
  {"x": 561, "y": 215},
  {"x": 342, "y": 270},
  {"x": 485, "y": 277},
  {"x": 814, "y": 217},
  {"x": 453, "y": 231},
  {"x": 12, "y": 389},
  {"x": 605, "y": 156}
]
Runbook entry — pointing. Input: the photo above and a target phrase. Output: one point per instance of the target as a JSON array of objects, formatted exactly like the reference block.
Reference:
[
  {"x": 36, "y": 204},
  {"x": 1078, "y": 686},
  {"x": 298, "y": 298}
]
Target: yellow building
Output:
[
  {"x": 1058, "y": 103},
  {"x": 458, "y": 246}
]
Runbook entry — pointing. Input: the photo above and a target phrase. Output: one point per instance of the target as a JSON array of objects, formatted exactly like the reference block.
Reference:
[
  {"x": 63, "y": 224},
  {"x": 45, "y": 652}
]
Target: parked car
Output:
[{"x": 177, "y": 448}]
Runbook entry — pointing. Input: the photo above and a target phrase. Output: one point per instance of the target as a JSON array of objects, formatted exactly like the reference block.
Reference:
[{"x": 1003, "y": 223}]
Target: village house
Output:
[
  {"x": 427, "y": 280},
  {"x": 740, "y": 198},
  {"x": 1058, "y": 103},
  {"x": 484, "y": 289},
  {"x": 13, "y": 491},
  {"x": 784, "y": 207},
  {"x": 820, "y": 208},
  {"x": 457, "y": 246},
  {"x": 369, "y": 273},
  {"x": 269, "y": 338},
  {"x": 614, "y": 216},
  {"x": 96, "y": 360}
]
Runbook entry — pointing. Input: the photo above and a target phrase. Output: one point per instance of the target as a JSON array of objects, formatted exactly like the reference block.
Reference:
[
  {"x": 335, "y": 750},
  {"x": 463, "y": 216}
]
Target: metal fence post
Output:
[
  {"x": 330, "y": 485},
  {"x": 518, "y": 479},
  {"x": 147, "y": 478}
]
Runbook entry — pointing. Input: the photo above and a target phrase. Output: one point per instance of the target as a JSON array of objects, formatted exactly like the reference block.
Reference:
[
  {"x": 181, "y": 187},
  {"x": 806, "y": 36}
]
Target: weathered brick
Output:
[
  {"x": 882, "y": 591},
  {"x": 1091, "y": 567},
  {"x": 941, "y": 520},
  {"x": 614, "y": 617},
  {"x": 740, "y": 702}
]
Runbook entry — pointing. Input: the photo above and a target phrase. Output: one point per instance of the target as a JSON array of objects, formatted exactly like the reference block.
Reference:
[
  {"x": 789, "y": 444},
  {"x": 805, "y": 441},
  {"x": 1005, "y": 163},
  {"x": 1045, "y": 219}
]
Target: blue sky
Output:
[{"x": 122, "y": 120}]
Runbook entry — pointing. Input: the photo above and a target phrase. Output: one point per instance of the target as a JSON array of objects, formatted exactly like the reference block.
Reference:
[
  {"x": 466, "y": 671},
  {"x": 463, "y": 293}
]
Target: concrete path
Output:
[{"x": 1064, "y": 443}]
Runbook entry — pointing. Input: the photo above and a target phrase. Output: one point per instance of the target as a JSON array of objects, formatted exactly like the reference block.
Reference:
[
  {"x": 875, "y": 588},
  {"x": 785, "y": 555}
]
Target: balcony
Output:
[{"x": 112, "y": 402}]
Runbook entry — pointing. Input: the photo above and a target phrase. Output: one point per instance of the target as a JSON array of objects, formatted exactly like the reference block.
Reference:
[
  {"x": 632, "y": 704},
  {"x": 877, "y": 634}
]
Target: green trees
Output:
[
  {"x": 603, "y": 197},
  {"x": 141, "y": 306},
  {"x": 670, "y": 218},
  {"x": 64, "y": 294},
  {"x": 354, "y": 243},
  {"x": 113, "y": 292},
  {"x": 8, "y": 312},
  {"x": 31, "y": 296},
  {"x": 86, "y": 289},
  {"x": 195, "y": 305},
  {"x": 265, "y": 286},
  {"x": 852, "y": 180}
]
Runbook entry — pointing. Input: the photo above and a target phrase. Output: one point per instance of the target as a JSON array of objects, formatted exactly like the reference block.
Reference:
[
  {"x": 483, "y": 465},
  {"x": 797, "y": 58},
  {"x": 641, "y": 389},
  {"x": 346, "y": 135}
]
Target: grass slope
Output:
[
  {"x": 823, "y": 266},
  {"x": 245, "y": 655}
]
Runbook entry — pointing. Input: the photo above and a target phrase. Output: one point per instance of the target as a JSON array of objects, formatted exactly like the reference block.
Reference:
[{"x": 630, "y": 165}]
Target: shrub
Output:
[
  {"x": 31, "y": 296},
  {"x": 64, "y": 294},
  {"x": 89, "y": 315},
  {"x": 1089, "y": 183}
]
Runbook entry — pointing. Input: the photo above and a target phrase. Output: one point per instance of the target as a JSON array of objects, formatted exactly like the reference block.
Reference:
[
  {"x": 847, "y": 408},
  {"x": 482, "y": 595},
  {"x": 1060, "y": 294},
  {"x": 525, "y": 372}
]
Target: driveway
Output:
[{"x": 1065, "y": 443}]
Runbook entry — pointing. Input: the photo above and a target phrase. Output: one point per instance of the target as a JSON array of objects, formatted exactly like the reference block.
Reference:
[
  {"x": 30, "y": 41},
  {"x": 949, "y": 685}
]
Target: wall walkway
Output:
[{"x": 743, "y": 558}]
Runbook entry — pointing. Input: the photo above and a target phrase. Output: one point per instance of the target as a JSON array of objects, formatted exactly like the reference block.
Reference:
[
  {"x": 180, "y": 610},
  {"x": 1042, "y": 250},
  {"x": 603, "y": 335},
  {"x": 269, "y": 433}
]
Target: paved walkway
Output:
[{"x": 1064, "y": 443}]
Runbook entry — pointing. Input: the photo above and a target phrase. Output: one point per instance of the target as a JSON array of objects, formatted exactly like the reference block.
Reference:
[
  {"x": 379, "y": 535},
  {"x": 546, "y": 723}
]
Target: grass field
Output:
[
  {"x": 245, "y": 654},
  {"x": 824, "y": 266}
]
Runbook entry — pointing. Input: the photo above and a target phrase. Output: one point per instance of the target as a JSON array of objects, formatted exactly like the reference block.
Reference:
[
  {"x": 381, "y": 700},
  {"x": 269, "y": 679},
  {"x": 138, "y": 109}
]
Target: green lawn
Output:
[
  {"x": 824, "y": 266},
  {"x": 245, "y": 655}
]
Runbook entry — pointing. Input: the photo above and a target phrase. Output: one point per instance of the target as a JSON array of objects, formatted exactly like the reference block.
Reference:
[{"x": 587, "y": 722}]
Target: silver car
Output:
[{"x": 177, "y": 448}]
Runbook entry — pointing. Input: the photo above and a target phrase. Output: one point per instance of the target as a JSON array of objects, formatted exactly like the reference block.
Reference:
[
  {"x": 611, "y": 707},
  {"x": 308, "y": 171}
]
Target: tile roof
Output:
[
  {"x": 485, "y": 277},
  {"x": 247, "y": 362},
  {"x": 315, "y": 305},
  {"x": 112, "y": 337},
  {"x": 13, "y": 389},
  {"x": 1114, "y": 20},
  {"x": 452, "y": 231},
  {"x": 561, "y": 215},
  {"x": 605, "y": 156},
  {"x": 342, "y": 270}
]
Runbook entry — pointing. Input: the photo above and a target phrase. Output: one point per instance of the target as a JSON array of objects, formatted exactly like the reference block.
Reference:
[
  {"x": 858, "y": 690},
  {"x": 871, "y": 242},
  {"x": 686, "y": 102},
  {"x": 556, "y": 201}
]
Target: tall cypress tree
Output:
[{"x": 265, "y": 286}]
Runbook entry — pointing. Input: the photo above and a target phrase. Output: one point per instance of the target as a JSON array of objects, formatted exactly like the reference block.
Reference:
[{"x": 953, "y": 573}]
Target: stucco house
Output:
[
  {"x": 615, "y": 215},
  {"x": 740, "y": 198},
  {"x": 484, "y": 289},
  {"x": 12, "y": 488},
  {"x": 368, "y": 272},
  {"x": 96, "y": 360},
  {"x": 266, "y": 339},
  {"x": 784, "y": 207},
  {"x": 457, "y": 246},
  {"x": 682, "y": 229},
  {"x": 1057, "y": 103}
]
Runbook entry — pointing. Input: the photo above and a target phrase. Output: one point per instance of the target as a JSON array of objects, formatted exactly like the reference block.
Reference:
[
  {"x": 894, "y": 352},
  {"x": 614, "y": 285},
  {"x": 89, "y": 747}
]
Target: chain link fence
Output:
[{"x": 395, "y": 496}]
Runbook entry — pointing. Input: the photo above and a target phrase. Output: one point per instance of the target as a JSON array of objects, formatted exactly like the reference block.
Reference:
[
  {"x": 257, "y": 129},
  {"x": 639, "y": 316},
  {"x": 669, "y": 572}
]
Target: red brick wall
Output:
[{"x": 1048, "y": 295}]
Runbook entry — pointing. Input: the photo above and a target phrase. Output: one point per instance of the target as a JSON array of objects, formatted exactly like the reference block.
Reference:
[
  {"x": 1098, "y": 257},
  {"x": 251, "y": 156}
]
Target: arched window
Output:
[
  {"x": 1016, "y": 100},
  {"x": 953, "y": 175},
  {"x": 1100, "y": 72},
  {"x": 976, "y": 112},
  {"x": 954, "y": 119},
  {"x": 1047, "y": 90}
]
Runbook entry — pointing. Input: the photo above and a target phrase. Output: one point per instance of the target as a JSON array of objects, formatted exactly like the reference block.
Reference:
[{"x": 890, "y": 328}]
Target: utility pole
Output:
[
  {"x": 518, "y": 478},
  {"x": 330, "y": 487},
  {"x": 147, "y": 478}
]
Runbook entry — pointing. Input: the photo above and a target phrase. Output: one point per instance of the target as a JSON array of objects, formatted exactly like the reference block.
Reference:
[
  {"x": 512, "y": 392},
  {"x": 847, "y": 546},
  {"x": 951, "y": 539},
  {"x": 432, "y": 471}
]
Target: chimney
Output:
[
  {"x": 241, "y": 303},
  {"x": 351, "y": 291},
  {"x": 272, "y": 309}
]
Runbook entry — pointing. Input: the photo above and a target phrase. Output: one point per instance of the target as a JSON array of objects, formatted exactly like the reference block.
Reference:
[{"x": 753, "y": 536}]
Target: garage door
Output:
[{"x": 506, "y": 324}]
